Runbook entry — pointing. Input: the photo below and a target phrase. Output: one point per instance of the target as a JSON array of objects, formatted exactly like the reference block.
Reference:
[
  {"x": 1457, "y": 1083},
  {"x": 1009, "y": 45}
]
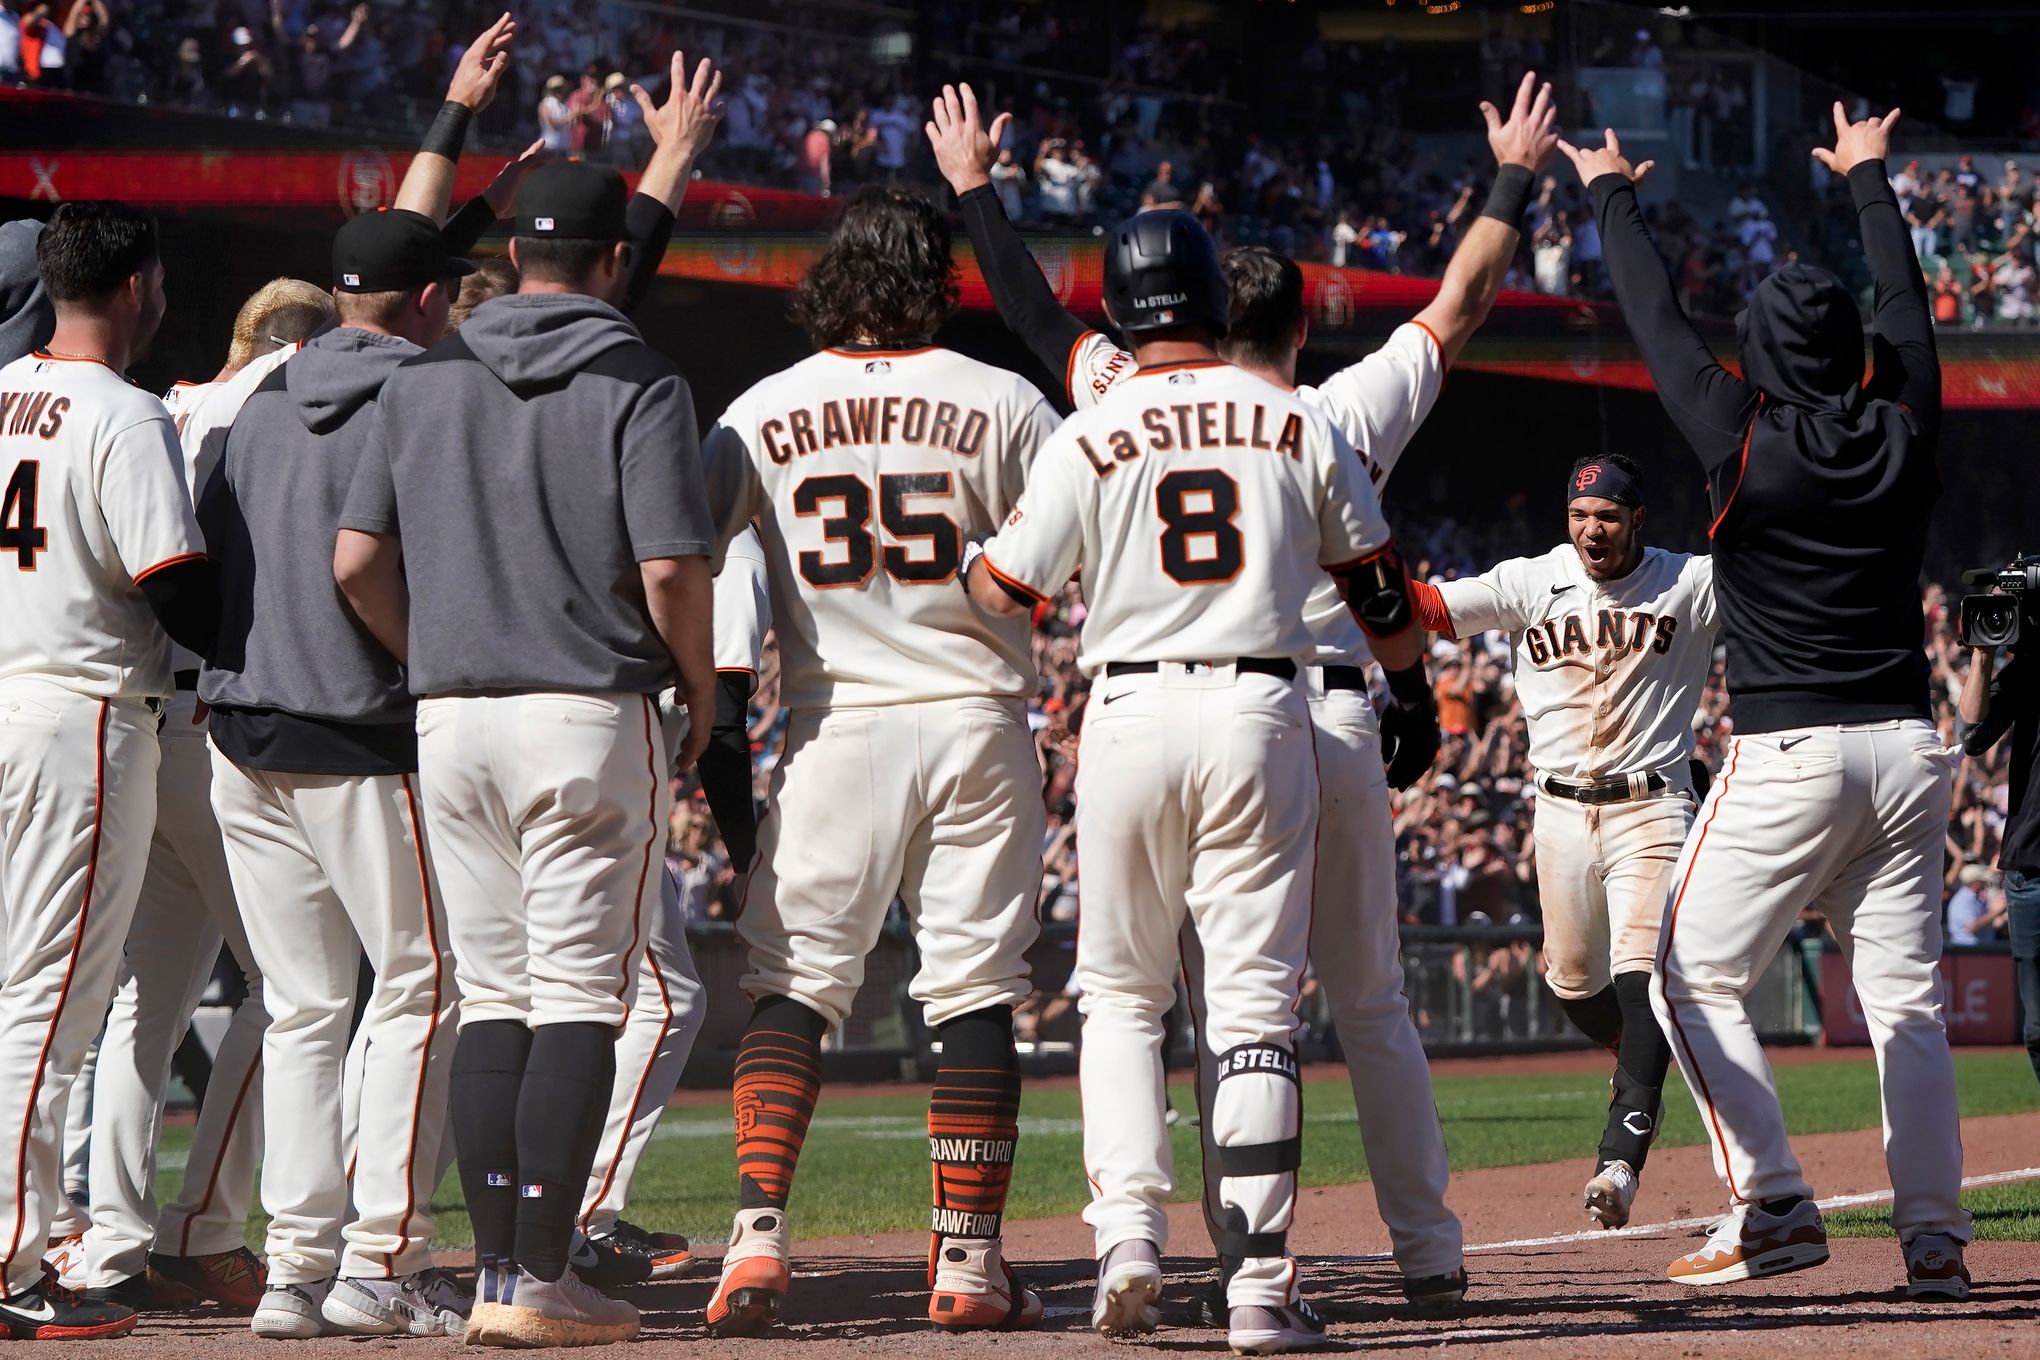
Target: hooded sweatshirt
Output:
[
  {"x": 574, "y": 458},
  {"x": 296, "y": 683},
  {"x": 27, "y": 320},
  {"x": 1821, "y": 485}
]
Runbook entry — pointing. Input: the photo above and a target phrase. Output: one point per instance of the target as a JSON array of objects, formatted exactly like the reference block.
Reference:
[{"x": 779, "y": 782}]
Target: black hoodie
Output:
[{"x": 1821, "y": 485}]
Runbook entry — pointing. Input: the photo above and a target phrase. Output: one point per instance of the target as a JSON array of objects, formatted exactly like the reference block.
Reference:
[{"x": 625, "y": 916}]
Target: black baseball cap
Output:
[
  {"x": 572, "y": 201},
  {"x": 391, "y": 251}
]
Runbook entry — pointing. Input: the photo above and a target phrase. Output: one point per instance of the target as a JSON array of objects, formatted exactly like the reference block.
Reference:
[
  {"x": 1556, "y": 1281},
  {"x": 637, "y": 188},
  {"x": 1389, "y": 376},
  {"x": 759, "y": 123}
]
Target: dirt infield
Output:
[{"x": 1542, "y": 1286}]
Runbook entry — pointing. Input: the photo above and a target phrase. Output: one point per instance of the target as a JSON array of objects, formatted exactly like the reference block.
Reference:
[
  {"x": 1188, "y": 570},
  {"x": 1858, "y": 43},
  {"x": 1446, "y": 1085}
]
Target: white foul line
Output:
[{"x": 1678, "y": 1224}]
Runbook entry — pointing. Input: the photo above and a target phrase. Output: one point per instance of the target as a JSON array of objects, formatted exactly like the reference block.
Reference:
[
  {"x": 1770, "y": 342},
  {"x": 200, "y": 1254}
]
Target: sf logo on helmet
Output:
[{"x": 1586, "y": 477}]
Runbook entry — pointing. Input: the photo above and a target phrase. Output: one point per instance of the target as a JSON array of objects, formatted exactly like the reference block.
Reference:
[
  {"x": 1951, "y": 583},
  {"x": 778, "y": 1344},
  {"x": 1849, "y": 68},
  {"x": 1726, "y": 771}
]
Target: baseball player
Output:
[
  {"x": 1837, "y": 786},
  {"x": 1199, "y": 793},
  {"x": 1612, "y": 643},
  {"x": 101, "y": 566},
  {"x": 909, "y": 768},
  {"x": 186, "y": 911},
  {"x": 1378, "y": 405},
  {"x": 315, "y": 786},
  {"x": 667, "y": 1012},
  {"x": 543, "y": 586}
]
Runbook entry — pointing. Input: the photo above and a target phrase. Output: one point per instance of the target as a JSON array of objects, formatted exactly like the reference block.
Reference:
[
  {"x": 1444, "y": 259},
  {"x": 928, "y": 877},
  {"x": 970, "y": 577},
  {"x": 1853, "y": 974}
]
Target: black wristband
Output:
[
  {"x": 1411, "y": 686},
  {"x": 1510, "y": 196},
  {"x": 449, "y": 131}
]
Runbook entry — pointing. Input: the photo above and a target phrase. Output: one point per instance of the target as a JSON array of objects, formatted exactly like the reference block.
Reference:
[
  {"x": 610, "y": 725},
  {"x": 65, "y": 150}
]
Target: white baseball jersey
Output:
[
  {"x": 203, "y": 413},
  {"x": 1609, "y": 672},
  {"x": 95, "y": 500},
  {"x": 743, "y": 613},
  {"x": 1184, "y": 477},
  {"x": 1377, "y": 404},
  {"x": 866, "y": 472}
]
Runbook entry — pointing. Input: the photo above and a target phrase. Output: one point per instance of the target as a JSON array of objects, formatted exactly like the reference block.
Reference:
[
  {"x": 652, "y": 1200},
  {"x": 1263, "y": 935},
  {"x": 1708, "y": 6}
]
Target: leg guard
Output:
[
  {"x": 1257, "y": 1122},
  {"x": 1600, "y": 1017},
  {"x": 1641, "y": 1063}
]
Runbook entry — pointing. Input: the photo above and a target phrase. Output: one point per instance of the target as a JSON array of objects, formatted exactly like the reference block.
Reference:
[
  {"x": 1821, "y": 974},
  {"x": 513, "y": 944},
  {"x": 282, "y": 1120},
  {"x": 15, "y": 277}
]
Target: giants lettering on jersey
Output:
[
  {"x": 1615, "y": 631},
  {"x": 32, "y": 413},
  {"x": 1200, "y": 425},
  {"x": 866, "y": 421}
]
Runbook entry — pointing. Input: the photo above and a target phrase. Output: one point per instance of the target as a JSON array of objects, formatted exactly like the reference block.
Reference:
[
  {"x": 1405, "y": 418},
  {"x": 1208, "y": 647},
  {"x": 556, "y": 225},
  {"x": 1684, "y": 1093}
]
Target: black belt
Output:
[
  {"x": 1248, "y": 665},
  {"x": 1597, "y": 792},
  {"x": 187, "y": 680},
  {"x": 1345, "y": 677}
]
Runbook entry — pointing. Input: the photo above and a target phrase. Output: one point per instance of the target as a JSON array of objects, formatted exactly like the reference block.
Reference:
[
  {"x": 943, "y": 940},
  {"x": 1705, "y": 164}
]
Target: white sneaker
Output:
[
  {"x": 1610, "y": 1193},
  {"x": 1934, "y": 1268},
  {"x": 1262, "y": 1329},
  {"x": 426, "y": 1303},
  {"x": 291, "y": 1312},
  {"x": 1129, "y": 1282},
  {"x": 66, "y": 1256},
  {"x": 515, "y": 1308}
]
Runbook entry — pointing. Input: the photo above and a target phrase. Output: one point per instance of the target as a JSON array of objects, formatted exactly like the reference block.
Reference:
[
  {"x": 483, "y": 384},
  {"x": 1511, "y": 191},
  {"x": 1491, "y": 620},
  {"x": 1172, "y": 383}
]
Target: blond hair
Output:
[{"x": 280, "y": 312}]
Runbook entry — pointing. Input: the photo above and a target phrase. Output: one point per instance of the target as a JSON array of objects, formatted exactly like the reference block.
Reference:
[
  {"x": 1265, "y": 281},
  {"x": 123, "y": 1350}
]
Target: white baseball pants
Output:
[
  {"x": 937, "y": 803},
  {"x": 1356, "y": 948},
  {"x": 74, "y": 1114},
  {"x": 186, "y": 911},
  {"x": 327, "y": 866},
  {"x": 1851, "y": 821},
  {"x": 77, "y": 802},
  {"x": 651, "y": 1053},
  {"x": 1197, "y": 796},
  {"x": 547, "y": 814},
  {"x": 1601, "y": 878}
]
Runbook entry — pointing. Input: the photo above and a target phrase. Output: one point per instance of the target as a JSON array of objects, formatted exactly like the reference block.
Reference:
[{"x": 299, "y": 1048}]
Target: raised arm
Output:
[
  {"x": 965, "y": 150},
  {"x": 1474, "y": 275},
  {"x": 428, "y": 181},
  {"x": 680, "y": 129},
  {"x": 1711, "y": 406},
  {"x": 1904, "y": 364}
]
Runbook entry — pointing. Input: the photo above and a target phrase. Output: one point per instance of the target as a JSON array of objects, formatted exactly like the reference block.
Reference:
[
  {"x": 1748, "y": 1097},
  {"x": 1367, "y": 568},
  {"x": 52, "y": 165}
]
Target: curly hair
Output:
[{"x": 885, "y": 276}]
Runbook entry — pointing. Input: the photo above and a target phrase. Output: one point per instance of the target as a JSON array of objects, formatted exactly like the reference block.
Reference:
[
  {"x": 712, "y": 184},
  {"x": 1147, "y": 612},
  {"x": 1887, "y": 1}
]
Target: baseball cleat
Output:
[
  {"x": 50, "y": 1312},
  {"x": 607, "y": 1263},
  {"x": 1263, "y": 1329},
  {"x": 1435, "y": 1295},
  {"x": 1129, "y": 1283},
  {"x": 425, "y": 1303},
  {"x": 1751, "y": 1244},
  {"x": 291, "y": 1312},
  {"x": 975, "y": 1290},
  {"x": 1610, "y": 1193},
  {"x": 66, "y": 1256},
  {"x": 148, "y": 1292},
  {"x": 671, "y": 1256},
  {"x": 233, "y": 1279},
  {"x": 514, "y": 1308},
  {"x": 1934, "y": 1268},
  {"x": 755, "y": 1275}
]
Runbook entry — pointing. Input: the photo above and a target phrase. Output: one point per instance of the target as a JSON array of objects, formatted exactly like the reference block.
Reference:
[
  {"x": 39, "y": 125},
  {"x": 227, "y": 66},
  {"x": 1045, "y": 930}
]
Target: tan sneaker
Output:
[
  {"x": 516, "y": 1309},
  {"x": 1750, "y": 1244},
  {"x": 1934, "y": 1268}
]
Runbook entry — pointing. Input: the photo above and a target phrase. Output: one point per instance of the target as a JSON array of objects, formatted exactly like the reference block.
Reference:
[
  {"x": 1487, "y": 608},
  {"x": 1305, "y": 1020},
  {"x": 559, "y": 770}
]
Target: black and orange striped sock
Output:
[
  {"x": 779, "y": 1074},
  {"x": 973, "y": 1125}
]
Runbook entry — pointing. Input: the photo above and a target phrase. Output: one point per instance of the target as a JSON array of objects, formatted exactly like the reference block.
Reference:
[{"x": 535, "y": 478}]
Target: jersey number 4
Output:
[
  {"x": 18, "y": 528},
  {"x": 1200, "y": 544},
  {"x": 852, "y": 528}
]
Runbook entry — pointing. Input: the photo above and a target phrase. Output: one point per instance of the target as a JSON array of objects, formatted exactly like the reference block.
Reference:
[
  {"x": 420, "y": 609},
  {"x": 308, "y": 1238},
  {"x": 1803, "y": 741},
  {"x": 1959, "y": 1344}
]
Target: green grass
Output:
[
  {"x": 864, "y": 1168},
  {"x": 2001, "y": 1213}
]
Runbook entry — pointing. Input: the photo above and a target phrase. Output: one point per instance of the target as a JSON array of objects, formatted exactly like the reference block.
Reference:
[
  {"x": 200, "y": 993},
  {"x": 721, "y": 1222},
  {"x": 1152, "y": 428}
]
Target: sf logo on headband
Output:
[{"x": 1586, "y": 477}]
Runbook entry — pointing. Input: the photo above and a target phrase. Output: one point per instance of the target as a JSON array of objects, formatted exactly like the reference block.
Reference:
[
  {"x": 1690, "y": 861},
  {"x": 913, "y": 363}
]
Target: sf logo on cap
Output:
[{"x": 1586, "y": 477}]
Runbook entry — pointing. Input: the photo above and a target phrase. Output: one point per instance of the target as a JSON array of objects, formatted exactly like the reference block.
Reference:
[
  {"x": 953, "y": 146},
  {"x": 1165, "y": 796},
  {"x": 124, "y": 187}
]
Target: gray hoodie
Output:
[
  {"x": 26, "y": 318},
  {"x": 288, "y": 640},
  {"x": 528, "y": 464}
]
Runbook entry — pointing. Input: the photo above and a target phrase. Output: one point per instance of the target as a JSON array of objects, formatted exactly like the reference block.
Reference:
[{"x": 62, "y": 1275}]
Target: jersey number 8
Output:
[
  {"x": 852, "y": 529},
  {"x": 1200, "y": 544}
]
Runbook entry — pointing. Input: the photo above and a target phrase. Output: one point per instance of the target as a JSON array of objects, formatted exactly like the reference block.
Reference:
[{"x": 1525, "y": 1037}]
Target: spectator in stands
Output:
[
  {"x": 555, "y": 118},
  {"x": 186, "y": 84},
  {"x": 1972, "y": 919},
  {"x": 2012, "y": 281},
  {"x": 1551, "y": 254},
  {"x": 1009, "y": 182},
  {"x": 817, "y": 157},
  {"x": 1056, "y": 178},
  {"x": 625, "y": 141},
  {"x": 896, "y": 128},
  {"x": 311, "y": 78},
  {"x": 588, "y": 112},
  {"x": 10, "y": 41},
  {"x": 1947, "y": 296},
  {"x": 1162, "y": 191},
  {"x": 244, "y": 84}
]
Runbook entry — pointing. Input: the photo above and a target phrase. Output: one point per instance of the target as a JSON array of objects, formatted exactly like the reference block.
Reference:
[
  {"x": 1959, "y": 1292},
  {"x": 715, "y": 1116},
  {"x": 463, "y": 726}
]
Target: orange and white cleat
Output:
[
  {"x": 755, "y": 1275},
  {"x": 975, "y": 1290}
]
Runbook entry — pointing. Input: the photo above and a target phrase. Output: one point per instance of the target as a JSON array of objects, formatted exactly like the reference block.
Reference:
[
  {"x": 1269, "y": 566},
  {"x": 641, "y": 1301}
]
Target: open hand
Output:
[
  {"x": 501, "y": 195},
  {"x": 965, "y": 149},
  {"x": 482, "y": 66},
  {"x": 1527, "y": 137},
  {"x": 1855, "y": 143},
  {"x": 687, "y": 120},
  {"x": 1592, "y": 164}
]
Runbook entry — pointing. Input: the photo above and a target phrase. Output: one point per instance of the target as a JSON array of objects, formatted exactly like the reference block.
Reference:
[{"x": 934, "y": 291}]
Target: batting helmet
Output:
[{"x": 1161, "y": 269}]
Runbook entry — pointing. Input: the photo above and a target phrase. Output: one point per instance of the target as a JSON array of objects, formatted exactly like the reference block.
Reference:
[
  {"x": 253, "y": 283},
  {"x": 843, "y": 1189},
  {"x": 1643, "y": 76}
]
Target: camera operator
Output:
[{"x": 1996, "y": 700}]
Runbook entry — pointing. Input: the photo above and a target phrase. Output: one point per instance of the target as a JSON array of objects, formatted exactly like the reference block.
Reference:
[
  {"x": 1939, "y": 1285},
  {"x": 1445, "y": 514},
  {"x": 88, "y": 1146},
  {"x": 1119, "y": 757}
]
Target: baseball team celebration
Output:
[{"x": 1366, "y": 657}]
